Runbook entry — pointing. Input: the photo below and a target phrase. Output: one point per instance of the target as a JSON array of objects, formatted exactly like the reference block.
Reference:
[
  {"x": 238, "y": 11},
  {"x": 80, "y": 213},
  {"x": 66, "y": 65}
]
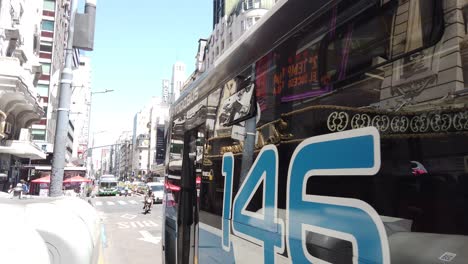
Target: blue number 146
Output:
[{"x": 355, "y": 152}]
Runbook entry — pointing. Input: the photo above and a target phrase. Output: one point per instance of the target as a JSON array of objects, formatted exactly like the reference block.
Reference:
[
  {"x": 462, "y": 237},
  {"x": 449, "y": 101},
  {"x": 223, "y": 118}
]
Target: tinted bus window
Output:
[
  {"x": 379, "y": 35},
  {"x": 222, "y": 138}
]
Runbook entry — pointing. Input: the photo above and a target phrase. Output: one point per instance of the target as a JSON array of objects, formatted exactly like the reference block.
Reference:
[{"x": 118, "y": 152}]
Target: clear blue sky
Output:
[{"x": 136, "y": 43}]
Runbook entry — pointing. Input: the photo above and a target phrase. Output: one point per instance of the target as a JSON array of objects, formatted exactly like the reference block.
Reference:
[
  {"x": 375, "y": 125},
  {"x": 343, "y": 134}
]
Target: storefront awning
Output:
[{"x": 23, "y": 149}]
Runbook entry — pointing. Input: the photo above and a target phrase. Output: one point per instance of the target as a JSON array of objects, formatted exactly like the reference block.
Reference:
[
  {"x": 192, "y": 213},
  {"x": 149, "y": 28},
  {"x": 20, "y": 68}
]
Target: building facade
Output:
[
  {"x": 159, "y": 119},
  {"x": 20, "y": 71},
  {"x": 140, "y": 142},
  {"x": 149, "y": 136},
  {"x": 231, "y": 19},
  {"x": 52, "y": 44},
  {"x": 178, "y": 79},
  {"x": 123, "y": 151},
  {"x": 124, "y": 160}
]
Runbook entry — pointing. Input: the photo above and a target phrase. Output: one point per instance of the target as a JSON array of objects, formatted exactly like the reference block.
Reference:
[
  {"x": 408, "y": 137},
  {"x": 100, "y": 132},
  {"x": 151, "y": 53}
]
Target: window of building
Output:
[
  {"x": 46, "y": 48},
  {"x": 47, "y": 25},
  {"x": 250, "y": 22},
  {"x": 38, "y": 134},
  {"x": 35, "y": 43},
  {"x": 46, "y": 68},
  {"x": 49, "y": 5},
  {"x": 43, "y": 89}
]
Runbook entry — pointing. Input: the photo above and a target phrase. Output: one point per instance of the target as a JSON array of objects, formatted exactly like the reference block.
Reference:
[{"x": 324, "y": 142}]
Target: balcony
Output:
[
  {"x": 17, "y": 93},
  {"x": 23, "y": 149}
]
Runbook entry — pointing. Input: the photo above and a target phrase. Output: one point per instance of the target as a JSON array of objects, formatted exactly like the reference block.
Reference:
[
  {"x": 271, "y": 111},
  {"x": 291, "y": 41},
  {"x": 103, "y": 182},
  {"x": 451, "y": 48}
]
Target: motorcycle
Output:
[{"x": 147, "y": 205}]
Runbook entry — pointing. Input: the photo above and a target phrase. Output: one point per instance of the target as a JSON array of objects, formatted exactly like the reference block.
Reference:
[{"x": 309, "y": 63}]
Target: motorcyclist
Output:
[{"x": 149, "y": 196}]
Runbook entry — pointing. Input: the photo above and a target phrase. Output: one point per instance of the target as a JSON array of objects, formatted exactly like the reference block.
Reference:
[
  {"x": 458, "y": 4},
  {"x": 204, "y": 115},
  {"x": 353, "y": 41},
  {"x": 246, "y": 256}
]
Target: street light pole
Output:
[
  {"x": 63, "y": 111},
  {"x": 89, "y": 120}
]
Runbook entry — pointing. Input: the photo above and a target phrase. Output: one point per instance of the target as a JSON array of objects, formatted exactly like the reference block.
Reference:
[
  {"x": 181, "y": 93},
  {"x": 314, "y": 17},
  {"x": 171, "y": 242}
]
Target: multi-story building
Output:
[
  {"x": 123, "y": 156},
  {"x": 148, "y": 136},
  {"x": 53, "y": 37},
  {"x": 124, "y": 160},
  {"x": 231, "y": 18},
  {"x": 19, "y": 74},
  {"x": 104, "y": 164},
  {"x": 140, "y": 155},
  {"x": 199, "y": 63},
  {"x": 159, "y": 118},
  {"x": 80, "y": 110},
  {"x": 178, "y": 79},
  {"x": 166, "y": 91},
  {"x": 140, "y": 141}
]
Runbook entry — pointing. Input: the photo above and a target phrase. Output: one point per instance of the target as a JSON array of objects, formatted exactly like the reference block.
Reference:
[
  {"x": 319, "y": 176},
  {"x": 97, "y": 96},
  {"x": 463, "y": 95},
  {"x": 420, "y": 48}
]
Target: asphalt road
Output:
[{"x": 129, "y": 235}]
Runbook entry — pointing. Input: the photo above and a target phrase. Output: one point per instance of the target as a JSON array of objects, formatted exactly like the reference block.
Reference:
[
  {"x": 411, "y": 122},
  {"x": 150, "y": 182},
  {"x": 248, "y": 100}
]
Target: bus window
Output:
[
  {"x": 223, "y": 137},
  {"x": 174, "y": 168},
  {"x": 368, "y": 41}
]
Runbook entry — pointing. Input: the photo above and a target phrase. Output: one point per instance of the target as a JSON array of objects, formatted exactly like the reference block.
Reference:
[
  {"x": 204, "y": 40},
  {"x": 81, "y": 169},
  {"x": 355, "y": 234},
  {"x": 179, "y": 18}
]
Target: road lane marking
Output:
[
  {"x": 110, "y": 203},
  {"x": 98, "y": 203},
  {"x": 128, "y": 216},
  {"x": 136, "y": 224},
  {"x": 122, "y": 202},
  {"x": 133, "y": 202},
  {"x": 148, "y": 237}
]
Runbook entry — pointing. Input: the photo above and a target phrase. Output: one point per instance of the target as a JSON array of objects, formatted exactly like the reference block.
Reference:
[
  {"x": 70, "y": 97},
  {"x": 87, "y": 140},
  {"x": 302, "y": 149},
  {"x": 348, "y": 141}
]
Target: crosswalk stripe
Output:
[
  {"x": 133, "y": 202},
  {"x": 110, "y": 203},
  {"x": 122, "y": 202},
  {"x": 98, "y": 203}
]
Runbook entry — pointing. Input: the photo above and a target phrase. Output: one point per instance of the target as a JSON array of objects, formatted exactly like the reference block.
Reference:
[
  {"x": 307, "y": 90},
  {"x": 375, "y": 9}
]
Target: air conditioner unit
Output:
[{"x": 8, "y": 128}]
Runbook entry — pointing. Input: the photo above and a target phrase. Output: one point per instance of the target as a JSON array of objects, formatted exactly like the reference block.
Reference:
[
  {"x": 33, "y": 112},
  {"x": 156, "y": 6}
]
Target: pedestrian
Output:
[
  {"x": 10, "y": 190},
  {"x": 25, "y": 187},
  {"x": 18, "y": 191}
]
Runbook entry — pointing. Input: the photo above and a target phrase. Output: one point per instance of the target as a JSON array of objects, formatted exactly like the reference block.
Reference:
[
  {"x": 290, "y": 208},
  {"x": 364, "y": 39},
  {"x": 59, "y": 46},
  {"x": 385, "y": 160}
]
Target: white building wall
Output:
[
  {"x": 178, "y": 78},
  {"x": 160, "y": 115},
  {"x": 231, "y": 28},
  {"x": 145, "y": 124},
  {"x": 24, "y": 16}
]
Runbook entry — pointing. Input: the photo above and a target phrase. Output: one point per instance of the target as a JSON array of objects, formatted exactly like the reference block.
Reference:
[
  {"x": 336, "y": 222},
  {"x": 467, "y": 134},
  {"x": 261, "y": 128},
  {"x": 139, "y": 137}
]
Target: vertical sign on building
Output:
[
  {"x": 165, "y": 91},
  {"x": 160, "y": 146}
]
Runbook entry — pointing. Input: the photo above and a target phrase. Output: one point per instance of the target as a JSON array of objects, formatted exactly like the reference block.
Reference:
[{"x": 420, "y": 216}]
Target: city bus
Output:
[
  {"x": 334, "y": 131},
  {"x": 108, "y": 185}
]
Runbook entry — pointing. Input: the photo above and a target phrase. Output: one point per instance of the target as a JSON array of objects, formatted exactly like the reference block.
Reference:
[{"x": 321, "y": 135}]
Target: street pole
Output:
[
  {"x": 89, "y": 158},
  {"x": 63, "y": 111}
]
